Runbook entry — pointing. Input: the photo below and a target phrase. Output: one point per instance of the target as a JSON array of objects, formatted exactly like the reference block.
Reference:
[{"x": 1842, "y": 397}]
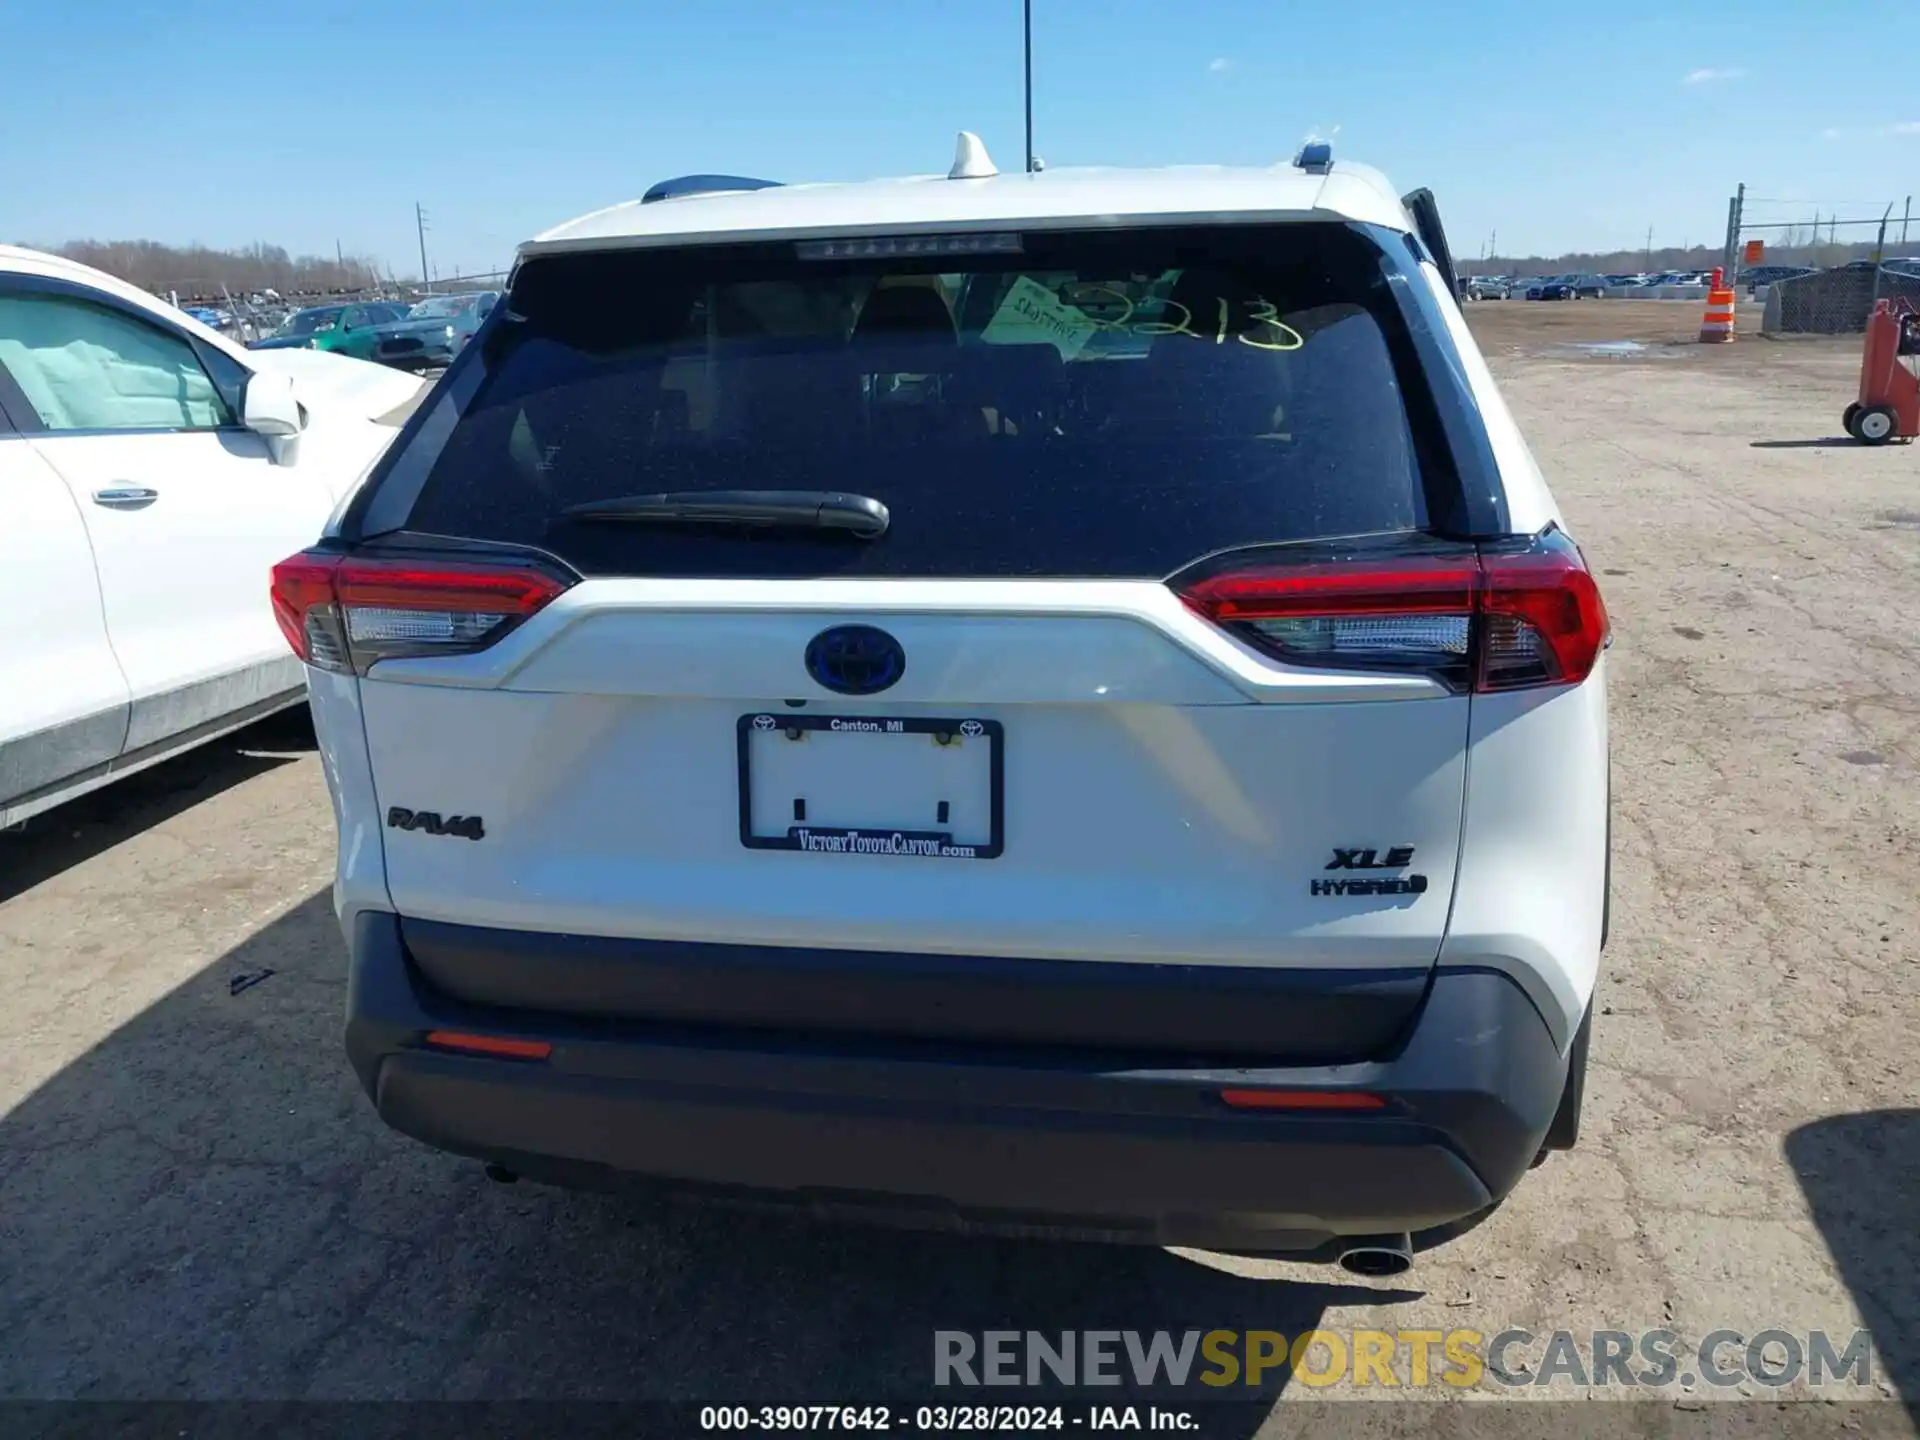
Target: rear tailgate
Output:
[{"x": 1167, "y": 795}]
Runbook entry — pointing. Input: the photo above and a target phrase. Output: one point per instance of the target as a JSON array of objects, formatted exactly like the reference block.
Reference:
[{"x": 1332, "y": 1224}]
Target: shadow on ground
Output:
[
  {"x": 1861, "y": 1176},
  {"x": 71, "y": 834},
  {"x": 204, "y": 1207}
]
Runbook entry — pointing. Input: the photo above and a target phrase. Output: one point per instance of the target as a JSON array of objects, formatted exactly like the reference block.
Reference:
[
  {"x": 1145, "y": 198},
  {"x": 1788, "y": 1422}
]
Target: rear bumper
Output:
[
  {"x": 968, "y": 1135},
  {"x": 437, "y": 353}
]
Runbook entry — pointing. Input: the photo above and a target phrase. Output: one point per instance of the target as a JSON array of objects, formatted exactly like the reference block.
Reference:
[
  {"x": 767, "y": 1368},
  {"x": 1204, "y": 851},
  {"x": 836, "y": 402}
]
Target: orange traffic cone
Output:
[{"x": 1716, "y": 326}]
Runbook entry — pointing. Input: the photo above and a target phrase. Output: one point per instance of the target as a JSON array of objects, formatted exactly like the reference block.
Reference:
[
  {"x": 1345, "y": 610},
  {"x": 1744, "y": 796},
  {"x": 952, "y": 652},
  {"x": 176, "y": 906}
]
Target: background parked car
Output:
[
  {"x": 1568, "y": 287},
  {"x": 151, "y": 472},
  {"x": 343, "y": 329},
  {"x": 432, "y": 332},
  {"x": 1485, "y": 287},
  {"x": 1762, "y": 275}
]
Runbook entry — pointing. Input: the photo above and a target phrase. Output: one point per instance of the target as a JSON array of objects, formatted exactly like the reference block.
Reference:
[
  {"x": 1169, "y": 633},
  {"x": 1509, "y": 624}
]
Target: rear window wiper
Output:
[{"x": 858, "y": 515}]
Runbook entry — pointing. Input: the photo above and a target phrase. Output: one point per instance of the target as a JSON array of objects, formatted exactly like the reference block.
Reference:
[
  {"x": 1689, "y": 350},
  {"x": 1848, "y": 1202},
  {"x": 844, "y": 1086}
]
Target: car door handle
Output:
[{"x": 125, "y": 497}]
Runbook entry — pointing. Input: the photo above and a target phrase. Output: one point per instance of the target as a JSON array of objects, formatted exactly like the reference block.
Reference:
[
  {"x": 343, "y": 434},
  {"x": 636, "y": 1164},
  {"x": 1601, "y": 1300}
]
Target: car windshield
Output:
[
  {"x": 1104, "y": 403},
  {"x": 309, "y": 322},
  {"x": 441, "y": 307}
]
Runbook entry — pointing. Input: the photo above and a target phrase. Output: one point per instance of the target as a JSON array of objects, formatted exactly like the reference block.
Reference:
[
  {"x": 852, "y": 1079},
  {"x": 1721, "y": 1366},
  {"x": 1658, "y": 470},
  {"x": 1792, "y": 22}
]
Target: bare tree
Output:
[{"x": 197, "y": 272}]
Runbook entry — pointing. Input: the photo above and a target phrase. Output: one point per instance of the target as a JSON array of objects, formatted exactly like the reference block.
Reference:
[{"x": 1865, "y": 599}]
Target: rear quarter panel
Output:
[{"x": 1531, "y": 890}]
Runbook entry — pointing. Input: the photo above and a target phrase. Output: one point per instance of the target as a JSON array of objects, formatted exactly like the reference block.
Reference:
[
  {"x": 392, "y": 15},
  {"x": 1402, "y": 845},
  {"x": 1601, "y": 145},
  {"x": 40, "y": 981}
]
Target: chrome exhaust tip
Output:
[{"x": 1377, "y": 1256}]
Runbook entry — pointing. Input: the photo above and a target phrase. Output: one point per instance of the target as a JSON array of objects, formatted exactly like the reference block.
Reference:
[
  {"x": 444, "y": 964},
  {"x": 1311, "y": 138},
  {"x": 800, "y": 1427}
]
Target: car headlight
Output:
[
  {"x": 311, "y": 345},
  {"x": 450, "y": 332}
]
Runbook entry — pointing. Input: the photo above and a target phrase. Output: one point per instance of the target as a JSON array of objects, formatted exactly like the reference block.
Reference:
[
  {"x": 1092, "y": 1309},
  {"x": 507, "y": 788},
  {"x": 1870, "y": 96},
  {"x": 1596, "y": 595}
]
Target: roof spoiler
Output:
[
  {"x": 681, "y": 186},
  {"x": 1426, "y": 223}
]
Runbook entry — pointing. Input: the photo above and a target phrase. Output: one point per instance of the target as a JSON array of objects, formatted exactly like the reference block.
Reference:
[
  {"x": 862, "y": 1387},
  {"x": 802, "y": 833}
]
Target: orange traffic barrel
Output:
[{"x": 1716, "y": 326}]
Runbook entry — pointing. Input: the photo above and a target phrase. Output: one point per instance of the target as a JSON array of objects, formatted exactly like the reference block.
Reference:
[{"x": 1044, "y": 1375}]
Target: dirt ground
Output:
[
  {"x": 1502, "y": 323},
  {"x": 196, "y": 1202}
]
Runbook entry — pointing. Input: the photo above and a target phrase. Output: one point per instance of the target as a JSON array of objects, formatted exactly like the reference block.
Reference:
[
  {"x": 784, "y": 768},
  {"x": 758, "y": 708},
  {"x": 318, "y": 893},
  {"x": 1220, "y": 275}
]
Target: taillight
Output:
[
  {"x": 1507, "y": 616},
  {"x": 344, "y": 612},
  {"x": 1542, "y": 619}
]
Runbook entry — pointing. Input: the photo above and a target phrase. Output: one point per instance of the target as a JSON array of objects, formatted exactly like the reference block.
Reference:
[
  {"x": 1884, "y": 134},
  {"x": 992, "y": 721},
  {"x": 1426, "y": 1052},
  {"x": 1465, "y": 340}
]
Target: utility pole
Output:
[
  {"x": 1026, "y": 8},
  {"x": 1648, "y": 262},
  {"x": 420, "y": 225},
  {"x": 1906, "y": 214},
  {"x": 1736, "y": 214}
]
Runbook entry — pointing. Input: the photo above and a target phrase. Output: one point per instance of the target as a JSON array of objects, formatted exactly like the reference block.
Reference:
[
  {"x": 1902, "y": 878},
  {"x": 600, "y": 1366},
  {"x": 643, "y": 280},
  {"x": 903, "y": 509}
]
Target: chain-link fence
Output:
[
  {"x": 1818, "y": 268},
  {"x": 1833, "y": 302}
]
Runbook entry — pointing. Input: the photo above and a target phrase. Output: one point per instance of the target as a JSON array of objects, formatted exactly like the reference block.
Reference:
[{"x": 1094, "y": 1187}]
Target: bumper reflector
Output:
[
  {"x": 497, "y": 1045},
  {"x": 1302, "y": 1100}
]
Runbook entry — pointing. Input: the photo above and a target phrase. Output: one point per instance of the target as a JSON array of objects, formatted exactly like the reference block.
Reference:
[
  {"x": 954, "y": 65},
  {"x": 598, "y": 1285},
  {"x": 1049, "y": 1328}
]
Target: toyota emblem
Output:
[{"x": 855, "y": 659}]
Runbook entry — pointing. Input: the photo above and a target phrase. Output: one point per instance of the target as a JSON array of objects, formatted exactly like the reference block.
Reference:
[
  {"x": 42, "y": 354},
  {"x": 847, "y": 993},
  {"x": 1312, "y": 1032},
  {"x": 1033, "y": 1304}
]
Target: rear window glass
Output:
[{"x": 1096, "y": 404}]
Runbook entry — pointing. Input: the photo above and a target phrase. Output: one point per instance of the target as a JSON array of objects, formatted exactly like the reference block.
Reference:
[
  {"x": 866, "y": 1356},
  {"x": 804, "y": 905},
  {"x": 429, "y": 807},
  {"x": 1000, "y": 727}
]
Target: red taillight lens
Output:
[
  {"x": 1544, "y": 622},
  {"x": 301, "y": 584},
  {"x": 1426, "y": 585},
  {"x": 343, "y": 612},
  {"x": 1505, "y": 618}
]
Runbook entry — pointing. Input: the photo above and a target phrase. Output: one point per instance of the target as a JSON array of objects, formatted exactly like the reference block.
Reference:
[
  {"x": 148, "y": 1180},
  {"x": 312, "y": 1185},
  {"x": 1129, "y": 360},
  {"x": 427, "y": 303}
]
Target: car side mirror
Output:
[{"x": 269, "y": 408}]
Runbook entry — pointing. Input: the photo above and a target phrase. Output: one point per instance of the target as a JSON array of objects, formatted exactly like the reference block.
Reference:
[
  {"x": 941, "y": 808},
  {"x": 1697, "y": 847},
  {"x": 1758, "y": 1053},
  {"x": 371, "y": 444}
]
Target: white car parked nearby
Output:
[
  {"x": 1058, "y": 700},
  {"x": 151, "y": 472}
]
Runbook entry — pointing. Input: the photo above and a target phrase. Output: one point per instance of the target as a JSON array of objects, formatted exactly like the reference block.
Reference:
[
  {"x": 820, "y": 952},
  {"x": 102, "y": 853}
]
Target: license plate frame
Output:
[{"x": 878, "y": 840}]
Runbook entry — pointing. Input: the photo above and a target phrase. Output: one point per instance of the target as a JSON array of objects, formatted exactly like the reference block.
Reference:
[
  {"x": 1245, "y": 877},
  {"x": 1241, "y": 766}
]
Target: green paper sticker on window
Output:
[{"x": 1031, "y": 314}]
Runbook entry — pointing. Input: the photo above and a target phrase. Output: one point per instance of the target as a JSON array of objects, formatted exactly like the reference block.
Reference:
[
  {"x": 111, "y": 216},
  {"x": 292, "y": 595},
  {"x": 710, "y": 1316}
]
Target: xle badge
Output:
[{"x": 1397, "y": 857}]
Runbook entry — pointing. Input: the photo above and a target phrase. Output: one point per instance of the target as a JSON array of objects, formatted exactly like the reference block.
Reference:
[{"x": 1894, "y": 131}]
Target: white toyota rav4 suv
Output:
[{"x": 1044, "y": 700}]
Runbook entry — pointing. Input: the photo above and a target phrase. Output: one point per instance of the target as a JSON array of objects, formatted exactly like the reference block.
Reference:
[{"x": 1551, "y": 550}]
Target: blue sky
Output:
[{"x": 305, "y": 124}]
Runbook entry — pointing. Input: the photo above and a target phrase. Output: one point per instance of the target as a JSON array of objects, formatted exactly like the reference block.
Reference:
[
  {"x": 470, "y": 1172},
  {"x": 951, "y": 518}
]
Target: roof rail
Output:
[{"x": 681, "y": 186}]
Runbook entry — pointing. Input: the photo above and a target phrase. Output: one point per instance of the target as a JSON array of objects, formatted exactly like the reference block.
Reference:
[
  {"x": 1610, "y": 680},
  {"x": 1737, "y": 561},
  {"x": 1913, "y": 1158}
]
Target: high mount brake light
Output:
[
  {"x": 343, "y": 612},
  {"x": 1503, "y": 618}
]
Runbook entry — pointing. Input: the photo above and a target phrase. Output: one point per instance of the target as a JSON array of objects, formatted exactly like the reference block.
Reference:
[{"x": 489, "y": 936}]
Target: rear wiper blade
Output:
[{"x": 858, "y": 515}]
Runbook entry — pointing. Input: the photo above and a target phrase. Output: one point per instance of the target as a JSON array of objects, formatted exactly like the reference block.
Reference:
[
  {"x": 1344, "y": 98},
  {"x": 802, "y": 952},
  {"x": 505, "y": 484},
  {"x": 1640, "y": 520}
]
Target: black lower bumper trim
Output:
[
  {"x": 1308, "y": 1016},
  {"x": 968, "y": 1137}
]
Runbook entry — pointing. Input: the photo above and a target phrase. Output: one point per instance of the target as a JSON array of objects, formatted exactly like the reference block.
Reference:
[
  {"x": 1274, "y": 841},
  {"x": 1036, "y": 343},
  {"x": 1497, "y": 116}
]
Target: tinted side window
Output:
[
  {"x": 1099, "y": 404},
  {"x": 82, "y": 366},
  {"x": 229, "y": 377}
]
